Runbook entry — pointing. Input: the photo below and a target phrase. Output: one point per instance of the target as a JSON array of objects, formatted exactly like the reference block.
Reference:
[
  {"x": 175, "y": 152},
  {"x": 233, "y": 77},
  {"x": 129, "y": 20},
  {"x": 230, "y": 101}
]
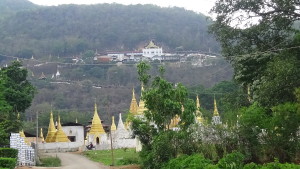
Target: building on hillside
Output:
[{"x": 152, "y": 50}]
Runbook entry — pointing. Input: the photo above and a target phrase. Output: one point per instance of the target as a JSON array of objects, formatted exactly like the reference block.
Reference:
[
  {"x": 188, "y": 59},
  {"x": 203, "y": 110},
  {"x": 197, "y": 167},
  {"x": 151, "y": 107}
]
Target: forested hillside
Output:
[
  {"x": 11, "y": 7},
  {"x": 111, "y": 86},
  {"x": 69, "y": 30}
]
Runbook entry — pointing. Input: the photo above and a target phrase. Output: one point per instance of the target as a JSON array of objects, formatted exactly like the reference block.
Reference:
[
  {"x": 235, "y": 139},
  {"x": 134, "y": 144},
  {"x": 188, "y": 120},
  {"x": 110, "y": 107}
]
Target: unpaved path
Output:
[
  {"x": 76, "y": 161},
  {"x": 72, "y": 161}
]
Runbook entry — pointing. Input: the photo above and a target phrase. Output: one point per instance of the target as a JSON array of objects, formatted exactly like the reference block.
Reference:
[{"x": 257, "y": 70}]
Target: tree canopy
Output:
[
  {"x": 256, "y": 37},
  {"x": 69, "y": 30},
  {"x": 16, "y": 95}
]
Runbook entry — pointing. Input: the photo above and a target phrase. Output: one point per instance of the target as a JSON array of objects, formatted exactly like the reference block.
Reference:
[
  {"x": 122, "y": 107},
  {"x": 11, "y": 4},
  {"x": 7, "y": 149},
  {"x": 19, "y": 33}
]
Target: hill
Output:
[
  {"x": 10, "y": 7},
  {"x": 69, "y": 30}
]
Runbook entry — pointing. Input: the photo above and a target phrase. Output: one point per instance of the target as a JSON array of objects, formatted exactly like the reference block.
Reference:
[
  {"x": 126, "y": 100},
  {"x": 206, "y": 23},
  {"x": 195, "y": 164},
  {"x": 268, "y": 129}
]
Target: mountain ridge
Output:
[{"x": 68, "y": 30}]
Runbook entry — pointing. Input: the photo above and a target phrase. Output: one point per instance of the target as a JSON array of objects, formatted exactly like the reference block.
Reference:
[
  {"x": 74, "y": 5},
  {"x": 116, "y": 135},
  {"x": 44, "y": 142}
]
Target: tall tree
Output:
[
  {"x": 164, "y": 102},
  {"x": 18, "y": 91},
  {"x": 252, "y": 35}
]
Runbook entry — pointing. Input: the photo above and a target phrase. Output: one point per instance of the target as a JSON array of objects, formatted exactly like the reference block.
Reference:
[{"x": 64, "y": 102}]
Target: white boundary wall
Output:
[{"x": 26, "y": 153}]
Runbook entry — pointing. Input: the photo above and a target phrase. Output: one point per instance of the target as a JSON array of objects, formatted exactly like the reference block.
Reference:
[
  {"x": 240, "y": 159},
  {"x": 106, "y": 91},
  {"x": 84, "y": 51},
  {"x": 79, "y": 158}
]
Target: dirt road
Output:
[
  {"x": 77, "y": 161},
  {"x": 72, "y": 161}
]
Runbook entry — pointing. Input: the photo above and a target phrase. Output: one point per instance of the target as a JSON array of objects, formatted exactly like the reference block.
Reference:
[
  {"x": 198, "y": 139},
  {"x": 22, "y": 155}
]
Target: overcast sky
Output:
[{"x": 202, "y": 6}]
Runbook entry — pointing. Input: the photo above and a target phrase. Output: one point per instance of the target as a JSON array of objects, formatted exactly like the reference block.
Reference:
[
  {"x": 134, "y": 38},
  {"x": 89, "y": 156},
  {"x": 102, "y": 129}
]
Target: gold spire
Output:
[
  {"x": 42, "y": 135},
  {"x": 22, "y": 133},
  {"x": 51, "y": 129},
  {"x": 133, "y": 105},
  {"x": 216, "y": 113},
  {"x": 60, "y": 135},
  {"x": 113, "y": 125},
  {"x": 96, "y": 127},
  {"x": 151, "y": 45},
  {"x": 141, "y": 107},
  {"x": 198, "y": 112}
]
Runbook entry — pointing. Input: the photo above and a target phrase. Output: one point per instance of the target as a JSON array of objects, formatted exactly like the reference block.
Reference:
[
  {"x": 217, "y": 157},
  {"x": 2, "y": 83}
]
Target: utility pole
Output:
[{"x": 37, "y": 136}]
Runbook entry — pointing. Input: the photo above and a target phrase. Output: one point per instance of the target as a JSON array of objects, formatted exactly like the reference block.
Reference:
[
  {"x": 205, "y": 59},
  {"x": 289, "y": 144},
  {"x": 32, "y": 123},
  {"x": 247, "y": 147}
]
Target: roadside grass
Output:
[
  {"x": 121, "y": 156},
  {"x": 50, "y": 162}
]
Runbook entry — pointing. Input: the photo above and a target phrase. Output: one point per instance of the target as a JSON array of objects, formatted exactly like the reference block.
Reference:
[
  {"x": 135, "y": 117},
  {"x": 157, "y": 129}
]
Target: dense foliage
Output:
[
  {"x": 10, "y": 7},
  {"x": 8, "y": 152},
  {"x": 8, "y": 163},
  {"x": 164, "y": 102},
  {"x": 69, "y": 30},
  {"x": 264, "y": 52},
  {"x": 15, "y": 97},
  {"x": 231, "y": 161}
]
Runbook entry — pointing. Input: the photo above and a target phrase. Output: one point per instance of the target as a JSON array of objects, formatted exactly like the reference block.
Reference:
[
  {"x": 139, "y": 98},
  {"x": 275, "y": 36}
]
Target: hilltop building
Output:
[{"x": 152, "y": 50}]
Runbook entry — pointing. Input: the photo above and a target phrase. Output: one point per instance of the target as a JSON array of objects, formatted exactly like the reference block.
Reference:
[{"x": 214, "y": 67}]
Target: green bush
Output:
[
  {"x": 274, "y": 165},
  {"x": 277, "y": 165},
  {"x": 128, "y": 160},
  {"x": 8, "y": 152},
  {"x": 50, "y": 162},
  {"x": 8, "y": 162},
  {"x": 196, "y": 161},
  {"x": 251, "y": 166},
  {"x": 232, "y": 161}
]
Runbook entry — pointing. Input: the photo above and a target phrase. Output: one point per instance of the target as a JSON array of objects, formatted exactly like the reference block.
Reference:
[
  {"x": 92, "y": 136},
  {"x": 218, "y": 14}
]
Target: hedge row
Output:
[
  {"x": 230, "y": 161},
  {"x": 8, "y": 152},
  {"x": 8, "y": 163}
]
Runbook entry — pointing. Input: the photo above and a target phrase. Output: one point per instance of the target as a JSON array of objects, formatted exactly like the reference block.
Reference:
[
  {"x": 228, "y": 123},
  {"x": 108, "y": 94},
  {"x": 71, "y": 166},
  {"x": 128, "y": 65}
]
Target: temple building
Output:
[{"x": 152, "y": 50}]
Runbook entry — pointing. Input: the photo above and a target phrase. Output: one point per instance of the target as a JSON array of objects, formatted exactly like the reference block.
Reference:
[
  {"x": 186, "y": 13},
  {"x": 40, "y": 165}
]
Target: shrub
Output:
[
  {"x": 8, "y": 152},
  {"x": 274, "y": 165},
  {"x": 251, "y": 166},
  {"x": 196, "y": 161},
  {"x": 50, "y": 162},
  {"x": 8, "y": 163},
  {"x": 128, "y": 160},
  {"x": 232, "y": 161},
  {"x": 277, "y": 165}
]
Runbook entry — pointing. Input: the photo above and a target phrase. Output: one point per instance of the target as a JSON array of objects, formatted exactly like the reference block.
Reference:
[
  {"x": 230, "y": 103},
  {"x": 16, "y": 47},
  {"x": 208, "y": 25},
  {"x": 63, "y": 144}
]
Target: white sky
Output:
[{"x": 202, "y": 6}]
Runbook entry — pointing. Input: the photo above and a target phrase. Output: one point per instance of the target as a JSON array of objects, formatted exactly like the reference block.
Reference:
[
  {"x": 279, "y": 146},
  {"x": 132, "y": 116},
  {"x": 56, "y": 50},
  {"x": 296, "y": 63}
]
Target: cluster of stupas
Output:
[
  {"x": 55, "y": 135},
  {"x": 121, "y": 133}
]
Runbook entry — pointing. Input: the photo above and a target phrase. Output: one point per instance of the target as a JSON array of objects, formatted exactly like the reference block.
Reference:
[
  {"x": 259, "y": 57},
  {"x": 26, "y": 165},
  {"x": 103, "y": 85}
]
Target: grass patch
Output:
[
  {"x": 50, "y": 162},
  {"x": 121, "y": 156}
]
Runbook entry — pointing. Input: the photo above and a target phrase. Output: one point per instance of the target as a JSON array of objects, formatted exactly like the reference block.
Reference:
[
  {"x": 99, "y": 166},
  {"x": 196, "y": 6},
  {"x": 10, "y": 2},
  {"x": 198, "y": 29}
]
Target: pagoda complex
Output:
[{"x": 55, "y": 135}]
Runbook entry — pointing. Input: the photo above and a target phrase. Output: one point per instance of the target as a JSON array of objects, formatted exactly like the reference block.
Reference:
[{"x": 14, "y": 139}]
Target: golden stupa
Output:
[
  {"x": 133, "y": 105},
  {"x": 96, "y": 127},
  {"x": 113, "y": 125},
  {"x": 60, "y": 135},
  {"x": 199, "y": 117},
  {"x": 141, "y": 107},
  {"x": 51, "y": 129},
  {"x": 216, "y": 113}
]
